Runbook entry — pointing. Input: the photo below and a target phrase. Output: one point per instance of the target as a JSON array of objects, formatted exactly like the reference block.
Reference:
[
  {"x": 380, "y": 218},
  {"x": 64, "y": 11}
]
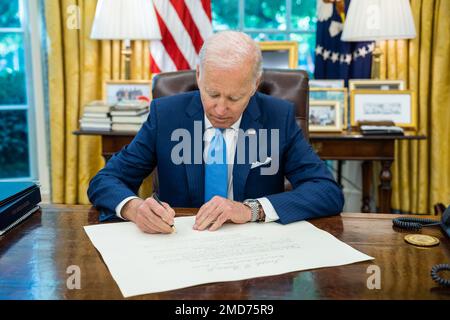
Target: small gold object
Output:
[{"x": 421, "y": 240}]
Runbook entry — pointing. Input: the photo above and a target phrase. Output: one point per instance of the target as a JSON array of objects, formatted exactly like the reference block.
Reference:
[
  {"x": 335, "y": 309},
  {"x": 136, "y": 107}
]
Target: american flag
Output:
[{"x": 184, "y": 25}]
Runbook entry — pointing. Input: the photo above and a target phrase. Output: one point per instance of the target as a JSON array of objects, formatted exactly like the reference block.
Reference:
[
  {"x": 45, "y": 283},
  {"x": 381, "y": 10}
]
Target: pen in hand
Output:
[{"x": 155, "y": 196}]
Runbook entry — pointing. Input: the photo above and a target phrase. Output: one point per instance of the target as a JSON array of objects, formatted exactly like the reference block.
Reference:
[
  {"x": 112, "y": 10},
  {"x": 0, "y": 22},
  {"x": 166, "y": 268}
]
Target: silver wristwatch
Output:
[{"x": 254, "y": 207}]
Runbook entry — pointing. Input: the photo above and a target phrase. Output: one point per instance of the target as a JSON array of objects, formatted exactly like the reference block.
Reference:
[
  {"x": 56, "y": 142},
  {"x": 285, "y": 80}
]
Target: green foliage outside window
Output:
[
  {"x": 13, "y": 144},
  {"x": 13, "y": 127},
  {"x": 14, "y": 154},
  {"x": 9, "y": 14},
  {"x": 268, "y": 20},
  {"x": 12, "y": 88},
  {"x": 225, "y": 14},
  {"x": 303, "y": 15},
  {"x": 265, "y": 14}
]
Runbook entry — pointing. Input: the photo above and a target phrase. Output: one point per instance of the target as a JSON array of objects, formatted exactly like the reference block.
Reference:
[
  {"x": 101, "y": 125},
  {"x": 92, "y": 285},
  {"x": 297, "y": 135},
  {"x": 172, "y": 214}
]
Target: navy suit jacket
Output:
[{"x": 314, "y": 194}]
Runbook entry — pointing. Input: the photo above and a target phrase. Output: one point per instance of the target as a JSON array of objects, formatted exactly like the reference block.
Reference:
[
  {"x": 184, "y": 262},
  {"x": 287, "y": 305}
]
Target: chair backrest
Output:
[{"x": 291, "y": 85}]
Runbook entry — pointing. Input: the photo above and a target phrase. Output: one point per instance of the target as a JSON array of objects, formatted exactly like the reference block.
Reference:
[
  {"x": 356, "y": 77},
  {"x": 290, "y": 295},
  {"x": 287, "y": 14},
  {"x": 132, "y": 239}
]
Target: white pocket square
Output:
[{"x": 257, "y": 164}]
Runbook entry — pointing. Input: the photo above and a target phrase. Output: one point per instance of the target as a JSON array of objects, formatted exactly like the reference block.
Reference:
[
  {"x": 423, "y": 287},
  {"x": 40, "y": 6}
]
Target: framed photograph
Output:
[
  {"x": 336, "y": 84},
  {"x": 324, "y": 116},
  {"x": 369, "y": 84},
  {"x": 333, "y": 94},
  {"x": 377, "y": 105},
  {"x": 279, "y": 54},
  {"x": 117, "y": 90}
]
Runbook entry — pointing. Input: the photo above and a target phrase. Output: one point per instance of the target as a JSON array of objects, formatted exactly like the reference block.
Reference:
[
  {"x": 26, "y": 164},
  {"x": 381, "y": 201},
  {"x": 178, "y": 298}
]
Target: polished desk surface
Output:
[
  {"x": 356, "y": 135},
  {"x": 34, "y": 258},
  {"x": 344, "y": 135}
]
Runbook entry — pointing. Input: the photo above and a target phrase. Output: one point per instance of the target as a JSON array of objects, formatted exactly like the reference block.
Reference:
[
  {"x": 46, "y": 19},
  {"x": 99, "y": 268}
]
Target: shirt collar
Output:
[{"x": 234, "y": 126}]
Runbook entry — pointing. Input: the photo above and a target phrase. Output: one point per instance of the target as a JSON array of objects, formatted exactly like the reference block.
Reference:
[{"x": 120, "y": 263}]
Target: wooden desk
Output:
[
  {"x": 329, "y": 146},
  {"x": 36, "y": 255},
  {"x": 354, "y": 146}
]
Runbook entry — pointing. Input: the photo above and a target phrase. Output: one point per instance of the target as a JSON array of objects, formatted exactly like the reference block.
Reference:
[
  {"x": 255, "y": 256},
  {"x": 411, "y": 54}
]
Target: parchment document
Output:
[{"x": 146, "y": 263}]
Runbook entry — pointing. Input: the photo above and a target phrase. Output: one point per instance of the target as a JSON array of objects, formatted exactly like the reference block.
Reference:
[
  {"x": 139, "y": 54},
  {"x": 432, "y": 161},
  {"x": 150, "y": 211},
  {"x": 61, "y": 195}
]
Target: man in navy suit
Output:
[{"x": 201, "y": 143}]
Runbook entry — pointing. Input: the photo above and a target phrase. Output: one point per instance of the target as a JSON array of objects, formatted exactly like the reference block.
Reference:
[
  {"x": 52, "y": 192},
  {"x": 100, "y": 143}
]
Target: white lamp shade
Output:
[
  {"x": 371, "y": 20},
  {"x": 125, "y": 20}
]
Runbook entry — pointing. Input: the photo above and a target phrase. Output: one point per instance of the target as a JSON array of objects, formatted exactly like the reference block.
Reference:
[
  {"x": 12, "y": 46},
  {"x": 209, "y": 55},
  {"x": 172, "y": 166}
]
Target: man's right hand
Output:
[{"x": 149, "y": 215}]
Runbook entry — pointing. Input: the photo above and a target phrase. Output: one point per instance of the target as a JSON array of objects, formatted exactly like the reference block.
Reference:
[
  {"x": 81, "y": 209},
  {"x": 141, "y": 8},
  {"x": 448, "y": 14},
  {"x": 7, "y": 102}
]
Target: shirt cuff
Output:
[
  {"x": 269, "y": 210},
  {"x": 121, "y": 204}
]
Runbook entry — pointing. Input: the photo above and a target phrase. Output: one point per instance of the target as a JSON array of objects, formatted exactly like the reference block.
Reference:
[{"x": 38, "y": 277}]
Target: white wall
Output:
[{"x": 352, "y": 182}]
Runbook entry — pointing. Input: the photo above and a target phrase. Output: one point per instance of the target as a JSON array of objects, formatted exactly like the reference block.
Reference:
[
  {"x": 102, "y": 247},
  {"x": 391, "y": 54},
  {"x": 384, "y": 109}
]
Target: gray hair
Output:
[{"x": 231, "y": 49}]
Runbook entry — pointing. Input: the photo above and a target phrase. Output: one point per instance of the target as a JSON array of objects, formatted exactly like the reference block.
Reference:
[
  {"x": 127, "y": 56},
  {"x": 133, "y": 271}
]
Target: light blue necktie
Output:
[{"x": 216, "y": 169}]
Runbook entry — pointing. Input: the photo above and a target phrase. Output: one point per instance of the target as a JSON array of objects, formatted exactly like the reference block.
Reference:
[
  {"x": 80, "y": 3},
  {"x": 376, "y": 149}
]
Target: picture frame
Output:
[
  {"x": 327, "y": 83},
  {"x": 279, "y": 54},
  {"x": 398, "y": 106},
  {"x": 333, "y": 94},
  {"x": 116, "y": 90},
  {"x": 371, "y": 84},
  {"x": 324, "y": 116}
]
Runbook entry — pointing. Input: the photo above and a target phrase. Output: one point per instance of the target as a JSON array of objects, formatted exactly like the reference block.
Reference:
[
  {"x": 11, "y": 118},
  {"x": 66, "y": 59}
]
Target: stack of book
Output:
[
  {"x": 18, "y": 200},
  {"x": 96, "y": 116},
  {"x": 129, "y": 115},
  {"x": 381, "y": 130}
]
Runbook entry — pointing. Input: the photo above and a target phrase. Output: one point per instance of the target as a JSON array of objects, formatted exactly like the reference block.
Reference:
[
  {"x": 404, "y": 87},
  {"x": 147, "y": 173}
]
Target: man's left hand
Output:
[{"x": 219, "y": 210}]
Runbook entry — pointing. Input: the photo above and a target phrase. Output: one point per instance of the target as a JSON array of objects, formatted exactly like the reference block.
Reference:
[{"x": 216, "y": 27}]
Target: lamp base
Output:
[
  {"x": 376, "y": 61},
  {"x": 127, "y": 58}
]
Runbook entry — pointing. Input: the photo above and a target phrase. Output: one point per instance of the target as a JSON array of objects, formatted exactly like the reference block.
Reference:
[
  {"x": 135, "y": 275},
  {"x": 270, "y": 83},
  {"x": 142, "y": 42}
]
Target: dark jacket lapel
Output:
[
  {"x": 249, "y": 120},
  {"x": 195, "y": 170}
]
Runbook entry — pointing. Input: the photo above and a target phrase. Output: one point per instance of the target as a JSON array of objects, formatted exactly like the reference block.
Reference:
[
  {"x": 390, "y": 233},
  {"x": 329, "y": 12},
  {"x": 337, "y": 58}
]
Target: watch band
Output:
[{"x": 254, "y": 206}]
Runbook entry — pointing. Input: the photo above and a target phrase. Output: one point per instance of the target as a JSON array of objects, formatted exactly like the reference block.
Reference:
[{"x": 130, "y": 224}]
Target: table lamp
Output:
[
  {"x": 125, "y": 20},
  {"x": 376, "y": 20}
]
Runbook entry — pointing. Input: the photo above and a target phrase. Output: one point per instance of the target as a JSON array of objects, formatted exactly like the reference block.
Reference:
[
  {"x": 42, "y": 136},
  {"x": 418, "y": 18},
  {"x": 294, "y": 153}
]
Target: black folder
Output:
[
  {"x": 381, "y": 130},
  {"x": 12, "y": 190},
  {"x": 18, "y": 200}
]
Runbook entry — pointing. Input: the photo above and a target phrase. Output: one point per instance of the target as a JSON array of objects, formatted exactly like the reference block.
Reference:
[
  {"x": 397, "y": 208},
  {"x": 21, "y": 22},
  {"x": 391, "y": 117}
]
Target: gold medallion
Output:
[{"x": 421, "y": 240}]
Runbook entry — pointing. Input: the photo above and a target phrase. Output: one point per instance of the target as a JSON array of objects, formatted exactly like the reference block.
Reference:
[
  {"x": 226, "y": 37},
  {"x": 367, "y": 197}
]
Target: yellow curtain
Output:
[
  {"x": 77, "y": 68},
  {"x": 421, "y": 172}
]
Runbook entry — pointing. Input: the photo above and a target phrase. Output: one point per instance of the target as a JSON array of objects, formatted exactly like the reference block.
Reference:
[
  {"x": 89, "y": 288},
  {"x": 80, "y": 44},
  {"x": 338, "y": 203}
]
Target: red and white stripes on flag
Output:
[{"x": 184, "y": 25}]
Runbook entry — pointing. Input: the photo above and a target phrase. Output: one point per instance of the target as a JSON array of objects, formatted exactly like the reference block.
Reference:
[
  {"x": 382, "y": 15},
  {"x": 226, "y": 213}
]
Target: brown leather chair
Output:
[{"x": 291, "y": 85}]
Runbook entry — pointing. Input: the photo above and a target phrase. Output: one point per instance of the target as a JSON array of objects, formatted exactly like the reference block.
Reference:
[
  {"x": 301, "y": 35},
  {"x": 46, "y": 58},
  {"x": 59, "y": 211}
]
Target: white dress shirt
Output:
[{"x": 230, "y": 136}]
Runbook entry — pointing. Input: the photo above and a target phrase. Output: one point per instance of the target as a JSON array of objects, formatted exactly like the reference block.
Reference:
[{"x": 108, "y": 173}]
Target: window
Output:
[
  {"x": 266, "y": 20},
  {"x": 15, "y": 109}
]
